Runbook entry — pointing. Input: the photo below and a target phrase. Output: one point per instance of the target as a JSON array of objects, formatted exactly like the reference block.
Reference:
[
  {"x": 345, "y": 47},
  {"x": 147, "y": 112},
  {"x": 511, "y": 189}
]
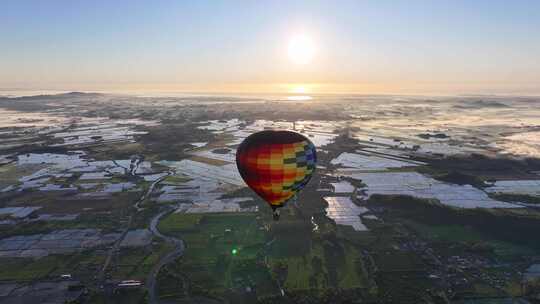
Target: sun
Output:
[{"x": 301, "y": 49}]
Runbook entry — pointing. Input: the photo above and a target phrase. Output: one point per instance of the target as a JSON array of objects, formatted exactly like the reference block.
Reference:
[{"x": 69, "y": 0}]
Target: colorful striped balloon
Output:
[{"x": 276, "y": 164}]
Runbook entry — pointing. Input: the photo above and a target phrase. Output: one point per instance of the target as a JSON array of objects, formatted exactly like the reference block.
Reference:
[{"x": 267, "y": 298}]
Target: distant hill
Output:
[
  {"x": 74, "y": 96},
  {"x": 63, "y": 95},
  {"x": 479, "y": 104},
  {"x": 55, "y": 96}
]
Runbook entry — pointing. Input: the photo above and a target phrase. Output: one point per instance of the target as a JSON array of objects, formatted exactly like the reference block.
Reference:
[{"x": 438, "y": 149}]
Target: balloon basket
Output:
[{"x": 275, "y": 214}]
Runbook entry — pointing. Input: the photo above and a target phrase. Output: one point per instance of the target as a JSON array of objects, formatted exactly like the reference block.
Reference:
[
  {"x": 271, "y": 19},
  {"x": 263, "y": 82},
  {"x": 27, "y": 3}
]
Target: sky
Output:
[{"x": 365, "y": 47}]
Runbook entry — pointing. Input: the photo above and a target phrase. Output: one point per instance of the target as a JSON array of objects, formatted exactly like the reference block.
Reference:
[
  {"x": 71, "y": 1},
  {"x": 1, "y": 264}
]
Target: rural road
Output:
[
  {"x": 170, "y": 257},
  {"x": 114, "y": 249}
]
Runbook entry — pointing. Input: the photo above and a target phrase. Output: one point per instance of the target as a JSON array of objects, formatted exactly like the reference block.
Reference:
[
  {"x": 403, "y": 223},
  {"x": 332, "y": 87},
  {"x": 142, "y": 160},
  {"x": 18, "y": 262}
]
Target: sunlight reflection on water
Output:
[{"x": 299, "y": 98}]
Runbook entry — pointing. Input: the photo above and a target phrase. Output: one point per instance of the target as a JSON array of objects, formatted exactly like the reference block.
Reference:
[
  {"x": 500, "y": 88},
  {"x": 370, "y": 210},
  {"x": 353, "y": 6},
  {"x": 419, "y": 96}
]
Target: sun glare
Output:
[
  {"x": 300, "y": 93},
  {"x": 301, "y": 49},
  {"x": 299, "y": 90}
]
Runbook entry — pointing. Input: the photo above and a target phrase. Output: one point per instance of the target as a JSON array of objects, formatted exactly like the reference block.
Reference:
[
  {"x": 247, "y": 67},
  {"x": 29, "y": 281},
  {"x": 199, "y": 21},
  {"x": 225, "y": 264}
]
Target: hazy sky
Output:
[{"x": 469, "y": 46}]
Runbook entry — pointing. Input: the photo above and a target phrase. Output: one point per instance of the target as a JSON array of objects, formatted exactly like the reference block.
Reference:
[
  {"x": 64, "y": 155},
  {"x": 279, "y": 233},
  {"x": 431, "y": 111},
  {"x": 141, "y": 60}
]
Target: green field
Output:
[
  {"x": 107, "y": 223},
  {"x": 223, "y": 252},
  {"x": 176, "y": 179},
  {"x": 220, "y": 261},
  {"x": 510, "y": 197},
  {"x": 82, "y": 265},
  {"x": 22, "y": 269},
  {"x": 11, "y": 173},
  {"x": 124, "y": 296},
  {"x": 136, "y": 263},
  {"x": 176, "y": 224},
  {"x": 470, "y": 236},
  {"x": 319, "y": 269}
]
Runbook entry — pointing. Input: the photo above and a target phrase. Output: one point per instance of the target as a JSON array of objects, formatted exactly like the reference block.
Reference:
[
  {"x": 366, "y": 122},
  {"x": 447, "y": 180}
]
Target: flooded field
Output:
[
  {"x": 217, "y": 206},
  {"x": 321, "y": 133},
  {"x": 344, "y": 212},
  {"x": 417, "y": 185},
  {"x": 370, "y": 162},
  {"x": 530, "y": 187},
  {"x": 61, "y": 241}
]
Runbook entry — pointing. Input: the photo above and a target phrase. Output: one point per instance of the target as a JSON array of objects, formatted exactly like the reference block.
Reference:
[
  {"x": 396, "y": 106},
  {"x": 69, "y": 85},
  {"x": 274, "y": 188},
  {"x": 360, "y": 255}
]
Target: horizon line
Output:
[{"x": 254, "y": 94}]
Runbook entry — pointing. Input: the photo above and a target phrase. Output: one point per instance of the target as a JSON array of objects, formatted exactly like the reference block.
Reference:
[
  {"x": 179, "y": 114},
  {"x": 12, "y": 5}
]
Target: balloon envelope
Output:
[{"x": 276, "y": 164}]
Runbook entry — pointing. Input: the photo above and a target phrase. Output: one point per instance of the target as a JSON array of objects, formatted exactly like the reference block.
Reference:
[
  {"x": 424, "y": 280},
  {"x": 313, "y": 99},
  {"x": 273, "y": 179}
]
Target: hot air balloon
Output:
[{"x": 276, "y": 165}]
